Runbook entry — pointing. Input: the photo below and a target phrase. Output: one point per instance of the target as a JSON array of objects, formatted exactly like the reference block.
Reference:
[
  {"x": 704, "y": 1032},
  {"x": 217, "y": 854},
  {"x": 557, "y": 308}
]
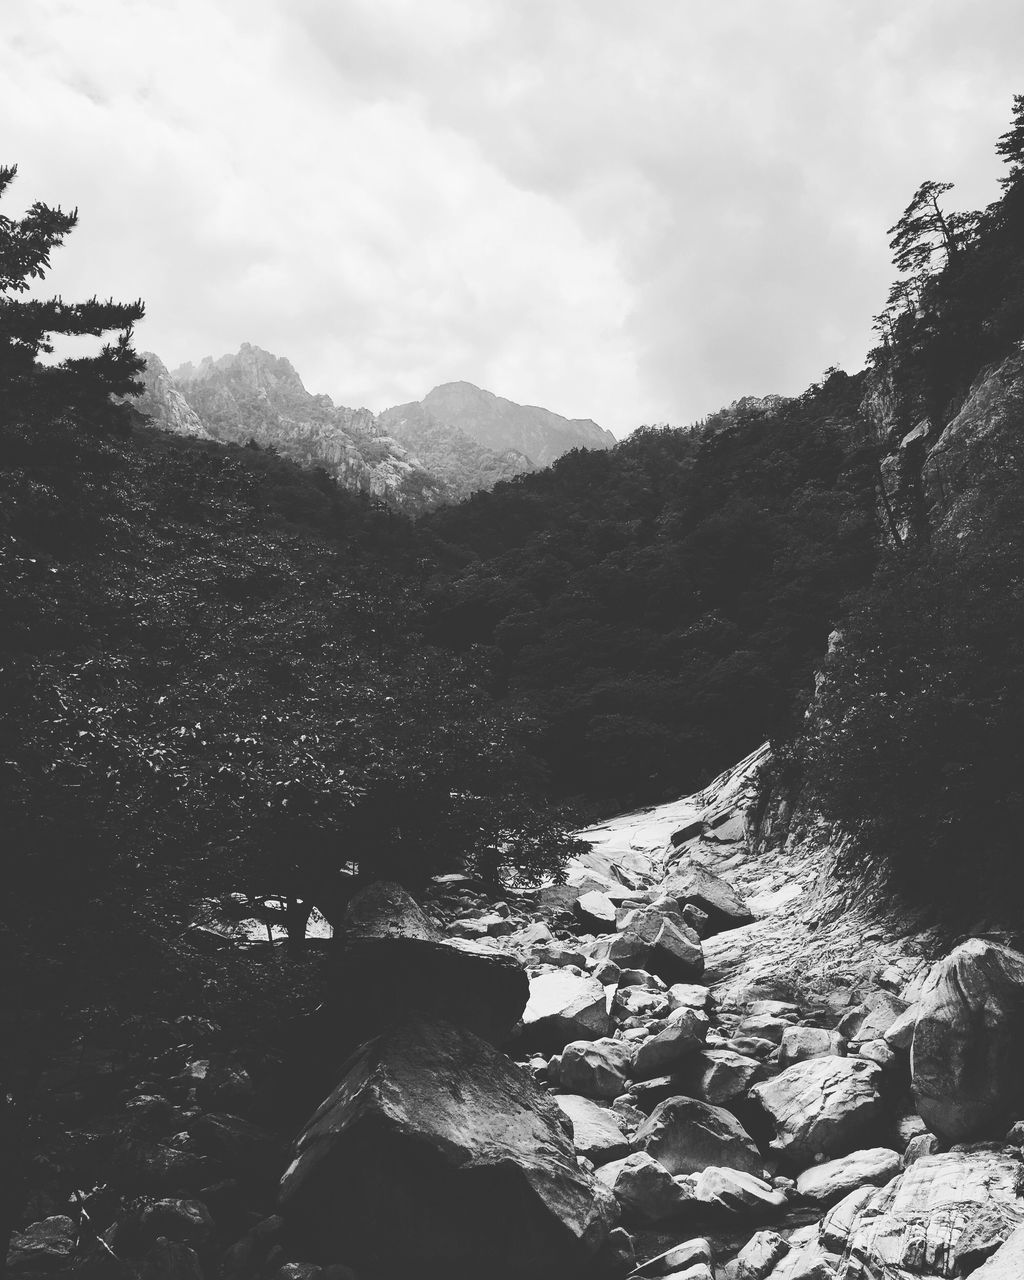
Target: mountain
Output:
[
  {"x": 451, "y": 454},
  {"x": 254, "y": 395},
  {"x": 496, "y": 423}
]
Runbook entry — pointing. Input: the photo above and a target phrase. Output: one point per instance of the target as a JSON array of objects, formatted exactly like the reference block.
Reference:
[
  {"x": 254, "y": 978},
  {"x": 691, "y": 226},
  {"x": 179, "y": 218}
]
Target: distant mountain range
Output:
[{"x": 457, "y": 440}]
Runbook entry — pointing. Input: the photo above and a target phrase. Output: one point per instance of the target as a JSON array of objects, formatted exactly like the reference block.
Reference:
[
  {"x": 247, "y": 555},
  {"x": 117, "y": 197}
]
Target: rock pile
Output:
[{"x": 663, "y": 1068}]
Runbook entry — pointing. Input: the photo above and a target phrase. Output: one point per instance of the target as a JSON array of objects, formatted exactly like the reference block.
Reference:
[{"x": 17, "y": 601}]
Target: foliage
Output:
[
  {"x": 656, "y": 607},
  {"x": 34, "y": 392}
]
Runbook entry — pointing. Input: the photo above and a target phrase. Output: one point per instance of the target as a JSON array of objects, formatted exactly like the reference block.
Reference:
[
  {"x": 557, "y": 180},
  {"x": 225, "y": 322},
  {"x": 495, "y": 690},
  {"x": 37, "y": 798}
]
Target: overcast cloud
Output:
[{"x": 632, "y": 212}]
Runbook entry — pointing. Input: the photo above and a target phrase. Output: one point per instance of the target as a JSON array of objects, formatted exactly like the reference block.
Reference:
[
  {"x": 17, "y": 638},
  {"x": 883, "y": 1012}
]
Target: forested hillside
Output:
[{"x": 659, "y": 606}]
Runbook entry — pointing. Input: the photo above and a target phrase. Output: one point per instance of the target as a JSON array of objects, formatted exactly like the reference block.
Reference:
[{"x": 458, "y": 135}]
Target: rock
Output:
[
  {"x": 643, "y": 1187},
  {"x": 718, "y": 1076},
  {"x": 563, "y": 1006},
  {"x": 923, "y": 1144},
  {"x": 596, "y": 911},
  {"x": 763, "y": 1026},
  {"x": 43, "y": 1247},
  {"x": 244, "y": 1149},
  {"x": 638, "y": 1002},
  {"x": 806, "y": 1262},
  {"x": 918, "y": 1222},
  {"x": 645, "y": 1095},
  {"x": 876, "y": 1016},
  {"x": 821, "y": 1106},
  {"x": 967, "y": 1056},
  {"x": 597, "y": 1131},
  {"x": 688, "y": 995},
  {"x": 666, "y": 1050},
  {"x": 659, "y": 941},
  {"x": 829, "y": 1182},
  {"x": 448, "y": 1160},
  {"x": 877, "y": 1051},
  {"x": 559, "y": 955},
  {"x": 171, "y": 1260},
  {"x": 596, "y": 1068},
  {"x": 391, "y": 963},
  {"x": 798, "y": 1044},
  {"x": 686, "y": 1136},
  {"x": 1007, "y": 1263},
  {"x": 690, "y": 1253},
  {"x": 618, "y": 1257},
  {"x": 185, "y": 1221},
  {"x": 691, "y": 881},
  {"x": 759, "y": 1255},
  {"x": 901, "y": 1032},
  {"x": 737, "y": 1191}
]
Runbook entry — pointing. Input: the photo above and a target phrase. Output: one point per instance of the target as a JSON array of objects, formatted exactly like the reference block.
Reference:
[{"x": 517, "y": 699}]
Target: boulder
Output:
[
  {"x": 691, "y": 881},
  {"x": 438, "y": 1155},
  {"x": 917, "y": 1224},
  {"x": 171, "y": 1260},
  {"x": 185, "y": 1221},
  {"x": 43, "y": 1247},
  {"x": 644, "y": 1188},
  {"x": 689, "y": 995},
  {"x": 737, "y": 1191},
  {"x": 596, "y": 1068},
  {"x": 391, "y": 963},
  {"x": 763, "y": 1026},
  {"x": 759, "y": 1255},
  {"x": 563, "y": 1006},
  {"x": 822, "y": 1106},
  {"x": 967, "y": 1055},
  {"x": 800, "y": 1043},
  {"x": 597, "y": 912},
  {"x": 829, "y": 1182},
  {"x": 658, "y": 940},
  {"x": 718, "y": 1076},
  {"x": 679, "y": 1258},
  {"x": 686, "y": 1136},
  {"x": 596, "y": 1131},
  {"x": 663, "y": 1052},
  {"x": 639, "y": 1002}
]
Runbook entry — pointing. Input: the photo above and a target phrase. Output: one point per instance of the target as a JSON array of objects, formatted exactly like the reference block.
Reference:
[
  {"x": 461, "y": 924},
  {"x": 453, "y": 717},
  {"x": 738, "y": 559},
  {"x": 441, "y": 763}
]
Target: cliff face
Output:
[
  {"x": 452, "y": 455},
  {"x": 497, "y": 424},
  {"x": 932, "y": 475},
  {"x": 254, "y": 395},
  {"x": 164, "y": 404}
]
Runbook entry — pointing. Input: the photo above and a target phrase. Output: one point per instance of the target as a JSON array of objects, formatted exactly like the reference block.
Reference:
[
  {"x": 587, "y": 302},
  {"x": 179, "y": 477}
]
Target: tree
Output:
[
  {"x": 29, "y": 390},
  {"x": 1011, "y": 144}
]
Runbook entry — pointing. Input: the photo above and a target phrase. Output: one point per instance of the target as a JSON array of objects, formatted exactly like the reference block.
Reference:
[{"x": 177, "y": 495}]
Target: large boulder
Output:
[
  {"x": 644, "y": 1188},
  {"x": 658, "y": 940},
  {"x": 967, "y": 1055},
  {"x": 919, "y": 1224},
  {"x": 681, "y": 1039},
  {"x": 596, "y": 1068},
  {"x": 823, "y": 1106},
  {"x": 597, "y": 1131},
  {"x": 687, "y": 1136},
  {"x": 391, "y": 964},
  {"x": 827, "y": 1183},
  {"x": 437, "y": 1155},
  {"x": 563, "y": 1006},
  {"x": 690, "y": 881}
]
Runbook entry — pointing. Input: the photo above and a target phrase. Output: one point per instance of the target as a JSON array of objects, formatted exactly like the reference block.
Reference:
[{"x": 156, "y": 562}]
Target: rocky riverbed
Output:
[{"x": 695, "y": 1059}]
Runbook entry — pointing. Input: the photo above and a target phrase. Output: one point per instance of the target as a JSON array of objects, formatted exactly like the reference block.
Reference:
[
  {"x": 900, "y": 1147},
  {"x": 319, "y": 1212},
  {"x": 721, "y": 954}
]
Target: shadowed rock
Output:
[{"x": 436, "y": 1155}]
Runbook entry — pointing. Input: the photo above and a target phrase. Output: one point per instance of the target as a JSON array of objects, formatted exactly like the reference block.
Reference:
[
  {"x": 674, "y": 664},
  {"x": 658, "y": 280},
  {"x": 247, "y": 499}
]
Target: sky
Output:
[{"x": 633, "y": 212}]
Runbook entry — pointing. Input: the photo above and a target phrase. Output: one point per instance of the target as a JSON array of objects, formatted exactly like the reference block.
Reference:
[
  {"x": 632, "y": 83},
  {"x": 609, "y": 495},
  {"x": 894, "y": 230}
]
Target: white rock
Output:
[
  {"x": 564, "y": 1006},
  {"x": 759, "y": 1255},
  {"x": 801, "y": 1043},
  {"x": 597, "y": 1133},
  {"x": 821, "y": 1105},
  {"x": 644, "y": 1188},
  {"x": 741, "y": 1192},
  {"x": 827, "y": 1183},
  {"x": 596, "y": 1068}
]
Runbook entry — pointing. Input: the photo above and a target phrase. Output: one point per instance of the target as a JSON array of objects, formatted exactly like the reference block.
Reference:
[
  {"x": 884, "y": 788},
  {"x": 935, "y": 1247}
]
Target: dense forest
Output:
[{"x": 221, "y": 673}]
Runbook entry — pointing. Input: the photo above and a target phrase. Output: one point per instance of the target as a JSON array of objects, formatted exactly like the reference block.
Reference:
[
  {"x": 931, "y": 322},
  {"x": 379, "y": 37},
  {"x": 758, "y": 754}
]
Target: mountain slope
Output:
[
  {"x": 497, "y": 424},
  {"x": 254, "y": 395}
]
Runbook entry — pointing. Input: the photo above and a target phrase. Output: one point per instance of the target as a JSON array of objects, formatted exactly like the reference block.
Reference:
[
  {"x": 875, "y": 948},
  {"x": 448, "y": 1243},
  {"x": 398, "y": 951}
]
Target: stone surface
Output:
[
  {"x": 596, "y": 1068},
  {"x": 821, "y": 1106},
  {"x": 967, "y": 1056},
  {"x": 42, "y": 1247},
  {"x": 800, "y": 1043},
  {"x": 391, "y": 964},
  {"x": 686, "y": 1136},
  {"x": 738, "y": 1191},
  {"x": 447, "y": 1159},
  {"x": 187, "y": 1221},
  {"x": 916, "y": 1224},
  {"x": 597, "y": 1131},
  {"x": 1007, "y": 1263},
  {"x": 564, "y": 1006},
  {"x": 678, "y": 1258},
  {"x": 829, "y": 1182},
  {"x": 643, "y": 1187},
  {"x": 663, "y": 1053},
  {"x": 718, "y": 1076},
  {"x": 759, "y": 1255},
  {"x": 691, "y": 881}
]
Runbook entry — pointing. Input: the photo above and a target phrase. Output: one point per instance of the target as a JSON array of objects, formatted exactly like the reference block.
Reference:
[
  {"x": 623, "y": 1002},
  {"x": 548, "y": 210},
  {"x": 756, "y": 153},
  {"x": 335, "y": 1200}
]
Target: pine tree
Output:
[{"x": 34, "y": 393}]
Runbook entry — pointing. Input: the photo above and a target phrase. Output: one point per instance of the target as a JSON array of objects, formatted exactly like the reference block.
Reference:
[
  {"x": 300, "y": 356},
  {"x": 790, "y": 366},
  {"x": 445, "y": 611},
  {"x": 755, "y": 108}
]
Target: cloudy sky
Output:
[{"x": 635, "y": 212}]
